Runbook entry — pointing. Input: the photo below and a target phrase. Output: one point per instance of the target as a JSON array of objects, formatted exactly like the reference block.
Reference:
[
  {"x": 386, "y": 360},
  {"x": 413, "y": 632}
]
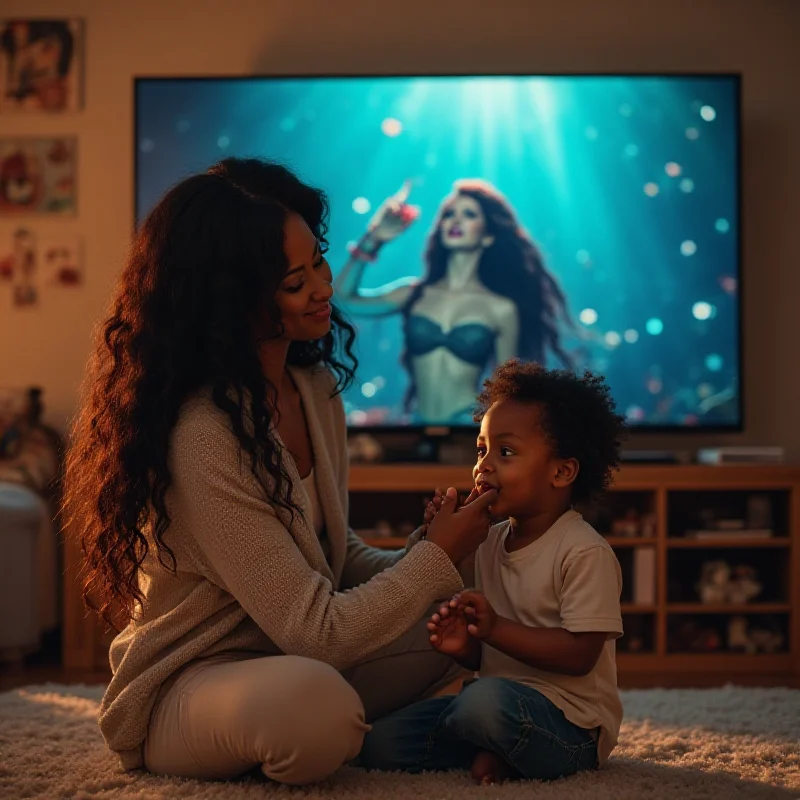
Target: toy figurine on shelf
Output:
[
  {"x": 628, "y": 525},
  {"x": 744, "y": 638},
  {"x": 765, "y": 640},
  {"x": 738, "y": 640},
  {"x": 647, "y": 528},
  {"x": 364, "y": 448},
  {"x": 744, "y": 584},
  {"x": 713, "y": 584},
  {"x": 689, "y": 637},
  {"x": 720, "y": 584}
]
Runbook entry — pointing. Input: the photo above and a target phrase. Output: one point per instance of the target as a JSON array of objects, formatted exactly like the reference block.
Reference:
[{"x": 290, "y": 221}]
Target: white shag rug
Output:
[{"x": 675, "y": 743}]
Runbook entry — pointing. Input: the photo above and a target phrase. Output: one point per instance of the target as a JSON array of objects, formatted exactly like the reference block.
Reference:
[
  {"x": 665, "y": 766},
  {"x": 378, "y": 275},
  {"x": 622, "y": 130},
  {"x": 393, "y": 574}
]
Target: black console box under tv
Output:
[{"x": 651, "y": 457}]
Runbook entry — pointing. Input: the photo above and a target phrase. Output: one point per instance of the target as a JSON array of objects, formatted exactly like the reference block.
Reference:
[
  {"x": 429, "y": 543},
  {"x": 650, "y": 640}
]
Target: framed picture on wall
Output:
[
  {"x": 31, "y": 264},
  {"x": 41, "y": 64},
  {"x": 38, "y": 175}
]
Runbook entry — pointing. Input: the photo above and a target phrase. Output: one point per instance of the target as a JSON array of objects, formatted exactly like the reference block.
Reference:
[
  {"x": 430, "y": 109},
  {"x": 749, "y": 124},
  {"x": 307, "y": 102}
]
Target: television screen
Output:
[{"x": 586, "y": 222}]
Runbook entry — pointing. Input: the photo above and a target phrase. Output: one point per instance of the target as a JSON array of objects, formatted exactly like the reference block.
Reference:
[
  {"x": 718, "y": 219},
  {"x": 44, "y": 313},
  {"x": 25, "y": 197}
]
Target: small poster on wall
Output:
[
  {"x": 41, "y": 64},
  {"x": 60, "y": 260},
  {"x": 30, "y": 264},
  {"x": 38, "y": 175}
]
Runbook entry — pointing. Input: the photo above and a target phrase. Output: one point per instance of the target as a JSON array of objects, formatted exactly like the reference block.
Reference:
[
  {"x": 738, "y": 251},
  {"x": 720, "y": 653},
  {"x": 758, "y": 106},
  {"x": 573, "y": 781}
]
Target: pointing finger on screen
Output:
[{"x": 403, "y": 192}]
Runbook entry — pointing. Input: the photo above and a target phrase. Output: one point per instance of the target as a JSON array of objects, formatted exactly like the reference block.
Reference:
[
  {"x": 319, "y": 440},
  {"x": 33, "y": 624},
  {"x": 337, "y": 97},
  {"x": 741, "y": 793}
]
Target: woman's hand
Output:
[
  {"x": 448, "y": 630},
  {"x": 435, "y": 503},
  {"x": 459, "y": 532},
  {"x": 470, "y": 497},
  {"x": 478, "y": 612},
  {"x": 431, "y": 509},
  {"x": 393, "y": 216}
]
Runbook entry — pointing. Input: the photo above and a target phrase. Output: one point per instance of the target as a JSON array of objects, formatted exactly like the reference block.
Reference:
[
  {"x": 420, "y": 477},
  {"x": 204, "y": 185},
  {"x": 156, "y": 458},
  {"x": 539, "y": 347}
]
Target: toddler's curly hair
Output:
[{"x": 578, "y": 418}]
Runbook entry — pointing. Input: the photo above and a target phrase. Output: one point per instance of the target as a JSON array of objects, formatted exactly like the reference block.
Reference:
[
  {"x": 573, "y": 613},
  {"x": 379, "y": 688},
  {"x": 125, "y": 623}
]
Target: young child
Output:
[{"x": 540, "y": 627}]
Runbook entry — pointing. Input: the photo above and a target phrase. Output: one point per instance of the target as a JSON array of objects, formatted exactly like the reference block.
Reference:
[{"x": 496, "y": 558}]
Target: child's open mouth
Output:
[{"x": 483, "y": 486}]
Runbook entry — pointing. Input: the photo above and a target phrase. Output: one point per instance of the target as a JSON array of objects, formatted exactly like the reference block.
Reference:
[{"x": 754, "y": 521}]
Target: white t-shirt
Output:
[{"x": 568, "y": 578}]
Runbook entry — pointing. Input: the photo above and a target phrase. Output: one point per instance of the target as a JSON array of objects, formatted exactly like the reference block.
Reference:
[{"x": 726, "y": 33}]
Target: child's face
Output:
[{"x": 515, "y": 458}]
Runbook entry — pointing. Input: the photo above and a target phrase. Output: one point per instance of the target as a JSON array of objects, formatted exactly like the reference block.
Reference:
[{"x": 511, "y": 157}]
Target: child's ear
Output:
[{"x": 566, "y": 473}]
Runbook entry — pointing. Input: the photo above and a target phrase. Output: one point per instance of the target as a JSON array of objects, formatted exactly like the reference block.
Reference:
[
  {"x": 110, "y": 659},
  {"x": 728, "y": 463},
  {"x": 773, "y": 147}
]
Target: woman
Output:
[
  {"x": 485, "y": 296},
  {"x": 207, "y": 481}
]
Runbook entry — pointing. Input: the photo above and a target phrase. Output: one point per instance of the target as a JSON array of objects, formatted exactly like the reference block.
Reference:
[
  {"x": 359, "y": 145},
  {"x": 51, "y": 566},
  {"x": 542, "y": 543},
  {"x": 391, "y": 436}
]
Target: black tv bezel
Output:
[{"x": 443, "y": 430}]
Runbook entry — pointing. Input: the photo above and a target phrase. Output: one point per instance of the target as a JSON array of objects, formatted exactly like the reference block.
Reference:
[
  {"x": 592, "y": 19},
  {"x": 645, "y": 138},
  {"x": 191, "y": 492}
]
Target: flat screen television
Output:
[{"x": 584, "y": 221}]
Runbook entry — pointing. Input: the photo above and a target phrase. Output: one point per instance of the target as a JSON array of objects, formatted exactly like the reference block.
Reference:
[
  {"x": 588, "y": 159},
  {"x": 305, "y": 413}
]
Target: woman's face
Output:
[
  {"x": 305, "y": 292},
  {"x": 463, "y": 225}
]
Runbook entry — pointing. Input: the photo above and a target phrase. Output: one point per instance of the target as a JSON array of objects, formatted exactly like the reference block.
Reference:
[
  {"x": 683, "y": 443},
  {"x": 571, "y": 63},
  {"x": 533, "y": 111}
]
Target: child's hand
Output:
[
  {"x": 449, "y": 630},
  {"x": 478, "y": 612}
]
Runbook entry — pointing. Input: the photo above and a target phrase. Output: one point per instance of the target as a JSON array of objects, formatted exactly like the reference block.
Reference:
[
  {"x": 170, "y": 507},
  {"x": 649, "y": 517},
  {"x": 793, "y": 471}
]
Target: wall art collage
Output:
[{"x": 41, "y": 72}]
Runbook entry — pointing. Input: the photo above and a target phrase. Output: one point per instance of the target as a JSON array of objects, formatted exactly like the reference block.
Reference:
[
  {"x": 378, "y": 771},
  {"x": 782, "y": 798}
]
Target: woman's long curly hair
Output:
[
  {"x": 203, "y": 272},
  {"x": 511, "y": 267}
]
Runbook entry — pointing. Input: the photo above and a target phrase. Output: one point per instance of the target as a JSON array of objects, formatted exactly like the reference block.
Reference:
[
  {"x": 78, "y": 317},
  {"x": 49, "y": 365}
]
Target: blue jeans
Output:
[{"x": 496, "y": 714}]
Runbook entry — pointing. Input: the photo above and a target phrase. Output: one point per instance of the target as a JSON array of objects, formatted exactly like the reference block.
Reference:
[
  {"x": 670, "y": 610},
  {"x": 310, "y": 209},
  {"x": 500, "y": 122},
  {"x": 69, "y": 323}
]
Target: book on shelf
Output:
[
  {"x": 644, "y": 576},
  {"x": 740, "y": 533}
]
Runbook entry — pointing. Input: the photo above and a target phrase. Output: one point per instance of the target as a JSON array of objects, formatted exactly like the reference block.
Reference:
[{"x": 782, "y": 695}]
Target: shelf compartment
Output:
[
  {"x": 685, "y": 569},
  {"x": 621, "y": 509},
  {"x": 700, "y": 509},
  {"x": 690, "y": 634}
]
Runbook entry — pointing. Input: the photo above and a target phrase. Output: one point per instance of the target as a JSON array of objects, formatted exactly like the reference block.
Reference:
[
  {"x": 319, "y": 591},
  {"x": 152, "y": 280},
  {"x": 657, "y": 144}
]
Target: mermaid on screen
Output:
[{"x": 486, "y": 295}]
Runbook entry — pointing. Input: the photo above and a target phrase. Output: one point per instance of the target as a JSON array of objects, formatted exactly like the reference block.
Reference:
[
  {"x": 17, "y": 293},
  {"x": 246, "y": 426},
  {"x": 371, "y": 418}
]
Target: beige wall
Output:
[{"x": 159, "y": 37}]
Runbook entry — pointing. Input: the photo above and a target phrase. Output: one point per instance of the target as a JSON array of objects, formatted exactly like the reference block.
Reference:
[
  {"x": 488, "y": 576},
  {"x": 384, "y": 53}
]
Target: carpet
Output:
[{"x": 675, "y": 743}]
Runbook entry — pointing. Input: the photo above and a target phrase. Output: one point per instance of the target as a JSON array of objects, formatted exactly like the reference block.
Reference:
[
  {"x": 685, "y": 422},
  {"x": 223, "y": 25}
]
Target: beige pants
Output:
[{"x": 297, "y": 719}]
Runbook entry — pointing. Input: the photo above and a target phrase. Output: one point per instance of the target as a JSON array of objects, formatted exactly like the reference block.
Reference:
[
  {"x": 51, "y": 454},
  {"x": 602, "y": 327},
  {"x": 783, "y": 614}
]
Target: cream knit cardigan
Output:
[{"x": 249, "y": 578}]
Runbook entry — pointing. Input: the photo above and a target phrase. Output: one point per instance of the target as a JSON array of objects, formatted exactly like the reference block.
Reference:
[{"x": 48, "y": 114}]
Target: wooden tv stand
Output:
[{"x": 670, "y": 498}]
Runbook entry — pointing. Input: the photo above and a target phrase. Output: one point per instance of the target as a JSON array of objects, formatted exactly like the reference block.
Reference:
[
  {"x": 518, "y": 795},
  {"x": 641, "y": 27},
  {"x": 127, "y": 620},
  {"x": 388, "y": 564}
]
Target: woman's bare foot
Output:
[{"x": 488, "y": 768}]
